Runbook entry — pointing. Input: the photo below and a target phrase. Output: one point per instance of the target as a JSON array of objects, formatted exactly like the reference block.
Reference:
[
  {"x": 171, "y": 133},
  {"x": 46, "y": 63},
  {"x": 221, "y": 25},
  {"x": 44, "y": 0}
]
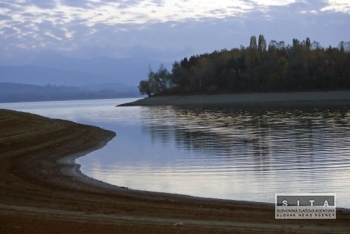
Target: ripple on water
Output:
[{"x": 243, "y": 154}]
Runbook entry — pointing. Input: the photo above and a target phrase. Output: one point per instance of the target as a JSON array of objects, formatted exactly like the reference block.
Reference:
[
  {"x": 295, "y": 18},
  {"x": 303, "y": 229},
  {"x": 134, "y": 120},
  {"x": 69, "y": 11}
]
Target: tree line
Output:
[{"x": 260, "y": 67}]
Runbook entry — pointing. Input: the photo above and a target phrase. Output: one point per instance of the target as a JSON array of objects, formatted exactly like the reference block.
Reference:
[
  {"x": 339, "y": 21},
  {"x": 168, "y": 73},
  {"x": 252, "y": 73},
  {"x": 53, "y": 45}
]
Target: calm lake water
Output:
[{"x": 220, "y": 152}]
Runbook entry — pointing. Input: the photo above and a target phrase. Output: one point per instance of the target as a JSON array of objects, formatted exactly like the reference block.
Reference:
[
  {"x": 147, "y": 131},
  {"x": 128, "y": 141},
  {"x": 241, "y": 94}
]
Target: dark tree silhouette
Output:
[{"x": 278, "y": 67}]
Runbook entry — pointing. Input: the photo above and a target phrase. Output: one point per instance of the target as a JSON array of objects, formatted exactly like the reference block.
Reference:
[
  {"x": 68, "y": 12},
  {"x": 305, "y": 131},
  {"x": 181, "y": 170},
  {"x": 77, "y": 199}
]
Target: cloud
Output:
[
  {"x": 5, "y": 17},
  {"x": 8, "y": 32},
  {"x": 164, "y": 28},
  {"x": 337, "y": 6},
  {"x": 75, "y": 4},
  {"x": 44, "y": 4}
]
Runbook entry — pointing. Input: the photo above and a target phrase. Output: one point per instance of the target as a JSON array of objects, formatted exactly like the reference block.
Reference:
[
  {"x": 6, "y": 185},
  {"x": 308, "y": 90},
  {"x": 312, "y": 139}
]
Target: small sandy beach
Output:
[
  {"x": 43, "y": 191},
  {"x": 250, "y": 99}
]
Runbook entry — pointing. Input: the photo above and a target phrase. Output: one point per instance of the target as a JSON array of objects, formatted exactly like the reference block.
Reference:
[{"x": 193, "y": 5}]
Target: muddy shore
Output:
[{"x": 43, "y": 191}]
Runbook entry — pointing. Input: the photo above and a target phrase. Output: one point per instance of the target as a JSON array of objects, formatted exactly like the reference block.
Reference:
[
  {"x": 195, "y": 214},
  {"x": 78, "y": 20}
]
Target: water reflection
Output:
[
  {"x": 223, "y": 152},
  {"x": 290, "y": 139},
  {"x": 244, "y": 154}
]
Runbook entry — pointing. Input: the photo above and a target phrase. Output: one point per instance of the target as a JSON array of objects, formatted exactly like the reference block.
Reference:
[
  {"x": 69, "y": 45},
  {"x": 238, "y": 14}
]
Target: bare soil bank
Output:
[
  {"x": 42, "y": 191},
  {"x": 250, "y": 99}
]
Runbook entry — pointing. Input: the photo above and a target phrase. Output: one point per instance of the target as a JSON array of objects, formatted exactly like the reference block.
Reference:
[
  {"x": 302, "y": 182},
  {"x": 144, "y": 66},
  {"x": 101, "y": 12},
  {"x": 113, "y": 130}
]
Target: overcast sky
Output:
[{"x": 163, "y": 29}]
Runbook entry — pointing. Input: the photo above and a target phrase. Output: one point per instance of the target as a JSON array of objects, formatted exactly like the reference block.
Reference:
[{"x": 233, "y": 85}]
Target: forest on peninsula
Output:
[{"x": 260, "y": 67}]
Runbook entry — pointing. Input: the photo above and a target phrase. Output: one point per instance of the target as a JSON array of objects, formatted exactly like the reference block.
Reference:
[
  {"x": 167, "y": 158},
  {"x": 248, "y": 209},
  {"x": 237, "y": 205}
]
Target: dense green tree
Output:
[
  {"x": 157, "y": 83},
  {"x": 302, "y": 66},
  {"x": 145, "y": 88},
  {"x": 262, "y": 44},
  {"x": 252, "y": 44}
]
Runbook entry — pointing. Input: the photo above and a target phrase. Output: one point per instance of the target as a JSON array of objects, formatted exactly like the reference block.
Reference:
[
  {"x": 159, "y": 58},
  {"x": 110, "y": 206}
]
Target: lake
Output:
[{"x": 218, "y": 152}]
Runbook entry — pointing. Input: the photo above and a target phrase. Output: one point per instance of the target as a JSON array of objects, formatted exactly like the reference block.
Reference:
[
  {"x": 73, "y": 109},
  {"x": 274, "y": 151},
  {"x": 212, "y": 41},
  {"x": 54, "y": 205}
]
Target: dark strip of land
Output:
[{"x": 250, "y": 99}]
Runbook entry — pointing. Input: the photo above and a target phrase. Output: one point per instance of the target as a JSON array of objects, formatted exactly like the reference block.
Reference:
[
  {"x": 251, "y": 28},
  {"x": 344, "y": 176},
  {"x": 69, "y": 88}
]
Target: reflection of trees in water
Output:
[{"x": 230, "y": 133}]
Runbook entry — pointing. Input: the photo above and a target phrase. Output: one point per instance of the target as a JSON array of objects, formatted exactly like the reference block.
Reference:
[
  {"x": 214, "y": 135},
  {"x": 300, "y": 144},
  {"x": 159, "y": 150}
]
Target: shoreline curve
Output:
[{"x": 42, "y": 190}]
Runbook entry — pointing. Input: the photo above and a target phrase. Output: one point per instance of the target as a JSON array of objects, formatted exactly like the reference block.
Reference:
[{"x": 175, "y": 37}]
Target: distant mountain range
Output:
[
  {"x": 11, "y": 92},
  {"x": 121, "y": 76},
  {"x": 61, "y": 70},
  {"x": 11, "y": 88},
  {"x": 129, "y": 71},
  {"x": 35, "y": 75}
]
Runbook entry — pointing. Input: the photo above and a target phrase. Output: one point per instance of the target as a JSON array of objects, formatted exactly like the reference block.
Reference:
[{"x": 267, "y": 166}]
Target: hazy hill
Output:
[
  {"x": 128, "y": 71},
  {"x": 11, "y": 88},
  {"x": 44, "y": 75},
  {"x": 98, "y": 77},
  {"x": 11, "y": 92},
  {"x": 113, "y": 86}
]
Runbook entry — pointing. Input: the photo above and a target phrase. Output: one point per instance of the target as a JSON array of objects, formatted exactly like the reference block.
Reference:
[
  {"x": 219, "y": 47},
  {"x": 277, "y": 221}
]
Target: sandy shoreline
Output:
[
  {"x": 43, "y": 191},
  {"x": 250, "y": 99}
]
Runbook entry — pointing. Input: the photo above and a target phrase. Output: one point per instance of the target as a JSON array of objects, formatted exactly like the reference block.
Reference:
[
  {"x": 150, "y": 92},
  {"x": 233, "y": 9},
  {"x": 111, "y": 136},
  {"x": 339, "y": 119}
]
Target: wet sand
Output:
[
  {"x": 251, "y": 99},
  {"x": 43, "y": 191}
]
